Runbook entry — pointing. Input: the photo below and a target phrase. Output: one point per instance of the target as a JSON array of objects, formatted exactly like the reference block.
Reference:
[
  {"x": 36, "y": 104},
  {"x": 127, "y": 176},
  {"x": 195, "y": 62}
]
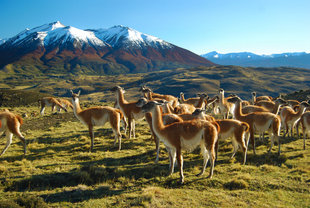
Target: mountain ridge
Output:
[
  {"x": 248, "y": 59},
  {"x": 54, "y": 47}
]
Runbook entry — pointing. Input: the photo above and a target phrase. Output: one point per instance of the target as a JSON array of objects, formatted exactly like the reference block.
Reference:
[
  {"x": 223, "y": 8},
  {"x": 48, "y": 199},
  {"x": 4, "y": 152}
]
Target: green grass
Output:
[
  {"x": 233, "y": 79},
  {"x": 59, "y": 171}
]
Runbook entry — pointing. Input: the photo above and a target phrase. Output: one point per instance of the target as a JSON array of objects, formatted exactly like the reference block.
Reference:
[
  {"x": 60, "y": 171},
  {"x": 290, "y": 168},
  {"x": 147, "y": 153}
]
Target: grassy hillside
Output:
[
  {"x": 233, "y": 79},
  {"x": 59, "y": 171}
]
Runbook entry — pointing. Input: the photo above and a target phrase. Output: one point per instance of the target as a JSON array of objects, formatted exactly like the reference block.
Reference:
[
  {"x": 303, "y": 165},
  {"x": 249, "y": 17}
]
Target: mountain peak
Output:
[
  {"x": 117, "y": 48},
  {"x": 126, "y": 37}
]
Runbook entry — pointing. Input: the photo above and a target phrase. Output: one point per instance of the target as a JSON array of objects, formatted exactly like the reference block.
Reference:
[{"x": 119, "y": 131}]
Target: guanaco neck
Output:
[
  {"x": 120, "y": 98},
  {"x": 200, "y": 102},
  {"x": 157, "y": 120},
  {"x": 168, "y": 109},
  {"x": 238, "y": 110},
  {"x": 254, "y": 99},
  {"x": 148, "y": 95},
  {"x": 276, "y": 108},
  {"x": 182, "y": 97},
  {"x": 301, "y": 110},
  {"x": 221, "y": 98},
  {"x": 76, "y": 106}
]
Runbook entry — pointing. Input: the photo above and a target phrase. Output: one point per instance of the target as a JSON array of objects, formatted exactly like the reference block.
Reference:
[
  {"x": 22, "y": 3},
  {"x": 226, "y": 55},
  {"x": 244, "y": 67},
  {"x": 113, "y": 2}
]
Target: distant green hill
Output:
[{"x": 233, "y": 79}]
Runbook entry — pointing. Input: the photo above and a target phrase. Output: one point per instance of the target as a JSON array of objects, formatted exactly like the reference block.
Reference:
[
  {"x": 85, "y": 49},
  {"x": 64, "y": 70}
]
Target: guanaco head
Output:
[
  {"x": 148, "y": 107},
  {"x": 280, "y": 101},
  {"x": 141, "y": 102},
  {"x": 198, "y": 112},
  {"x": 221, "y": 91},
  {"x": 146, "y": 90},
  {"x": 74, "y": 95},
  {"x": 234, "y": 99},
  {"x": 254, "y": 94},
  {"x": 143, "y": 87},
  {"x": 118, "y": 89}
]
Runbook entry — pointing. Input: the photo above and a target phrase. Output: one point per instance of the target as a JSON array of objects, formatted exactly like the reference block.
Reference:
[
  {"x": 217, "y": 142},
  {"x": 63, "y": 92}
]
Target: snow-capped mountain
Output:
[
  {"x": 53, "y": 34},
  {"x": 247, "y": 59},
  {"x": 118, "y": 49},
  {"x": 120, "y": 36}
]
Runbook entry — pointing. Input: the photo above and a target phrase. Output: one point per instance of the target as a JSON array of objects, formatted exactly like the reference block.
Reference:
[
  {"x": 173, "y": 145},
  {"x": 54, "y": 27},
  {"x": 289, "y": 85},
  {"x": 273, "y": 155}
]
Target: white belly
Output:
[
  {"x": 101, "y": 121},
  {"x": 190, "y": 144}
]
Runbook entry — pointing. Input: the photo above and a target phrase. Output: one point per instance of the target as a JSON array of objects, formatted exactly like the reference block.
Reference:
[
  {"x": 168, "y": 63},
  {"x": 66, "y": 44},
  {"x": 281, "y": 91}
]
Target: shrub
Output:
[
  {"x": 29, "y": 201},
  {"x": 236, "y": 184}
]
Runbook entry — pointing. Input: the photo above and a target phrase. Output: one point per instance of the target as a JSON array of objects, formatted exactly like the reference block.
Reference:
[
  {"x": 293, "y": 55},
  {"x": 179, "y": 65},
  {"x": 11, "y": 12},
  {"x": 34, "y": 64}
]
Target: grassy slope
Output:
[
  {"x": 232, "y": 79},
  {"x": 58, "y": 171}
]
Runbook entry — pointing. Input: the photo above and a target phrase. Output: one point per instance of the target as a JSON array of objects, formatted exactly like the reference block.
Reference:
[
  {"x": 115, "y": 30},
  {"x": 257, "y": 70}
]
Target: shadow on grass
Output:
[
  {"x": 79, "y": 195},
  {"x": 266, "y": 158},
  {"x": 93, "y": 172}
]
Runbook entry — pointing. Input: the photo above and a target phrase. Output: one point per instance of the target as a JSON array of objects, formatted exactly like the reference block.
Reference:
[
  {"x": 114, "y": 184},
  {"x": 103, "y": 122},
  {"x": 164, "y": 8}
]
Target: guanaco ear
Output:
[
  {"x": 79, "y": 93},
  {"x": 71, "y": 92}
]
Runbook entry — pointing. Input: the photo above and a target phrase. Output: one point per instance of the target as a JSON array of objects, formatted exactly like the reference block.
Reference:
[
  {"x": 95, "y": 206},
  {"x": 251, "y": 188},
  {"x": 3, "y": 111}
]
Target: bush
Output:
[
  {"x": 29, "y": 201},
  {"x": 236, "y": 184}
]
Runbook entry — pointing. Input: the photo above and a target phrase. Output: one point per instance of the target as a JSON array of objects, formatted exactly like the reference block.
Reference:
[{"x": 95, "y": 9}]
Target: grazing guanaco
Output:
[
  {"x": 98, "y": 116},
  {"x": 65, "y": 103},
  {"x": 10, "y": 125},
  {"x": 289, "y": 117},
  {"x": 259, "y": 122},
  {"x": 184, "y": 108},
  {"x": 185, "y": 135},
  {"x": 129, "y": 109},
  {"x": 238, "y": 131},
  {"x": 50, "y": 101}
]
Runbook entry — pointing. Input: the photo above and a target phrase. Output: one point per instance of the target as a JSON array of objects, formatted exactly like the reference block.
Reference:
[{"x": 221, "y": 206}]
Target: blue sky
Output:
[{"x": 201, "y": 26}]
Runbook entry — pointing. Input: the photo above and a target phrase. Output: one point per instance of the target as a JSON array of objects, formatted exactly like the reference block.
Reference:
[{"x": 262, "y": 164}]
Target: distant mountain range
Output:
[
  {"x": 56, "y": 48},
  {"x": 2, "y": 41},
  {"x": 246, "y": 59}
]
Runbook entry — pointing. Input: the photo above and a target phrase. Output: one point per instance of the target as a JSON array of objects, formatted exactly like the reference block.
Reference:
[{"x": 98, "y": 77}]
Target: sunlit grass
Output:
[{"x": 59, "y": 171}]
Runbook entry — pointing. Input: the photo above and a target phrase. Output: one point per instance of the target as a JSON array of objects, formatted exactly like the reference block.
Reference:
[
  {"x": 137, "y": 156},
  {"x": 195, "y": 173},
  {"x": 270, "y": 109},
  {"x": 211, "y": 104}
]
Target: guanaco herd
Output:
[{"x": 183, "y": 124}]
